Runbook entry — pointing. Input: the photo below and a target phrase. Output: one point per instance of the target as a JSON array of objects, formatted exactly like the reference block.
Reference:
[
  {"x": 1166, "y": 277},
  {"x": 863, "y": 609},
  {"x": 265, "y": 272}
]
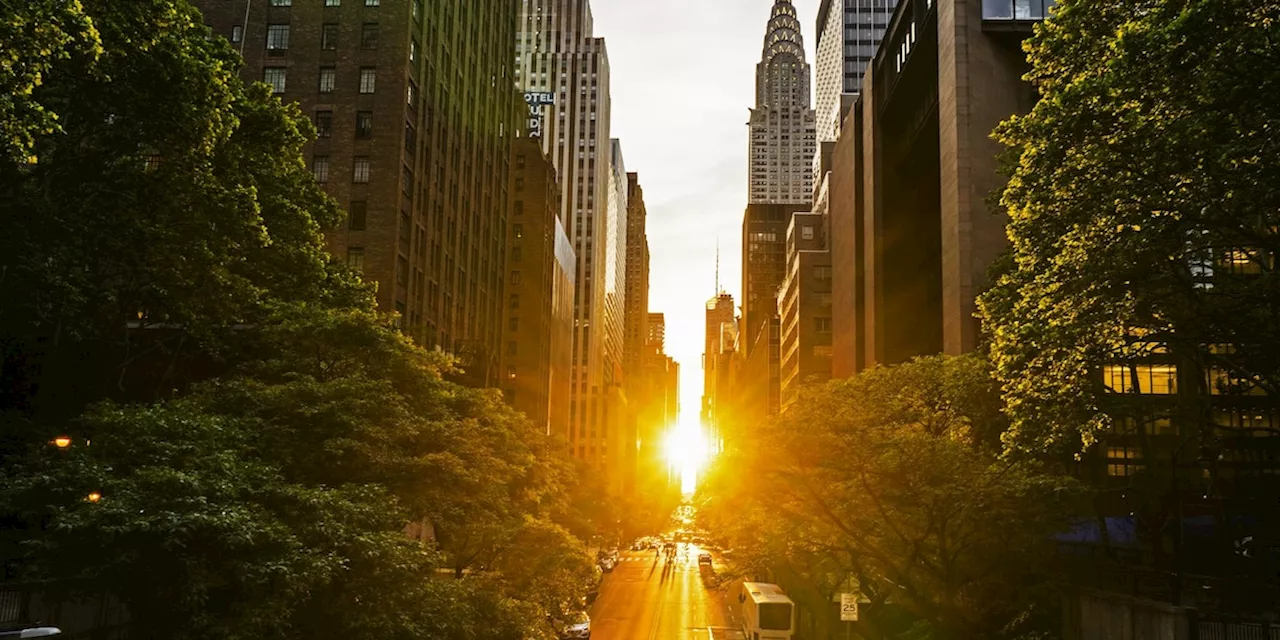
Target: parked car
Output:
[
  {"x": 30, "y": 632},
  {"x": 579, "y": 626}
]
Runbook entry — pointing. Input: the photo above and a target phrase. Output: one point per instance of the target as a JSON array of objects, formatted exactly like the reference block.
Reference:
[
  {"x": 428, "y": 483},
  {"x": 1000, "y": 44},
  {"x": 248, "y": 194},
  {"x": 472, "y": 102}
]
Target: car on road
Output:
[
  {"x": 578, "y": 626},
  {"x": 704, "y": 558}
]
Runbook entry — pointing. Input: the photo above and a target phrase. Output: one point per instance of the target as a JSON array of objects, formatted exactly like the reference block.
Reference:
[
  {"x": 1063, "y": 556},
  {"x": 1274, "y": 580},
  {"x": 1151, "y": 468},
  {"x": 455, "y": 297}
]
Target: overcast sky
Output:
[{"x": 683, "y": 78}]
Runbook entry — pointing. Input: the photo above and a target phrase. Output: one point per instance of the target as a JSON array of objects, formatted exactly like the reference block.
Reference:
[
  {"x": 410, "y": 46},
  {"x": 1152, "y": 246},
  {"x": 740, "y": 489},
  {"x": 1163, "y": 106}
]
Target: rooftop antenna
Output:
[{"x": 718, "y": 265}]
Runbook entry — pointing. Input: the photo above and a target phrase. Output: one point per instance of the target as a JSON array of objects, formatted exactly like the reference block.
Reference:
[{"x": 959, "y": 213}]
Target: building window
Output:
[
  {"x": 1155, "y": 379},
  {"x": 324, "y": 124},
  {"x": 329, "y": 36},
  {"x": 364, "y": 124},
  {"x": 282, "y": 3},
  {"x": 822, "y": 325},
  {"x": 371, "y": 3},
  {"x": 806, "y": 233},
  {"x": 368, "y": 79},
  {"x": 417, "y": 9},
  {"x": 333, "y": 3},
  {"x": 517, "y": 231},
  {"x": 358, "y": 216},
  {"x": 512, "y": 349},
  {"x": 274, "y": 76},
  {"x": 413, "y": 53},
  {"x": 277, "y": 39},
  {"x": 519, "y": 184},
  {"x": 515, "y": 301},
  {"x": 320, "y": 168},
  {"x": 328, "y": 79},
  {"x": 518, "y": 207},
  {"x": 515, "y": 277},
  {"x": 360, "y": 170},
  {"x": 237, "y": 33},
  {"x": 369, "y": 36},
  {"x": 1123, "y": 461},
  {"x": 513, "y": 324},
  {"x": 412, "y": 95},
  {"x": 355, "y": 259},
  {"x": 517, "y": 254}
]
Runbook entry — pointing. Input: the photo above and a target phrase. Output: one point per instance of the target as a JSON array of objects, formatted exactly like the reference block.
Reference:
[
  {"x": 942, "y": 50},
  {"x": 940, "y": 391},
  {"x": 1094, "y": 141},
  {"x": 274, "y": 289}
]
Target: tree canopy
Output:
[
  {"x": 259, "y": 441},
  {"x": 879, "y": 484},
  {"x": 1143, "y": 206}
]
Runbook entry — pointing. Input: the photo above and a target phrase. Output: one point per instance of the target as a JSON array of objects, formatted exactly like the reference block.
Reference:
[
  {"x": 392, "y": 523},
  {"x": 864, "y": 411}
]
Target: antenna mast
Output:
[{"x": 718, "y": 291}]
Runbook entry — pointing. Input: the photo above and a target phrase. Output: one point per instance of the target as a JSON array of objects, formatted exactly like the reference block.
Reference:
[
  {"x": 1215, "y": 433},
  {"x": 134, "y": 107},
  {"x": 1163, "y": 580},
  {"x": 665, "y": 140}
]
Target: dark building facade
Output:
[
  {"x": 416, "y": 114},
  {"x": 912, "y": 234},
  {"x": 764, "y": 257},
  {"x": 636, "y": 318},
  {"x": 540, "y": 306},
  {"x": 804, "y": 308}
]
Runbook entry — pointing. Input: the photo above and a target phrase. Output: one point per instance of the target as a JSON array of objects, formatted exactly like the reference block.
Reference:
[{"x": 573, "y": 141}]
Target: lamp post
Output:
[{"x": 62, "y": 442}]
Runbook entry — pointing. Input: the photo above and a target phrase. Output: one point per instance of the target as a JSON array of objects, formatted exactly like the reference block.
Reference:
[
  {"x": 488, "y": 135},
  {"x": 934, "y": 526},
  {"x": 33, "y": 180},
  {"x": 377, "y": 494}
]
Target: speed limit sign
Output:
[{"x": 848, "y": 607}]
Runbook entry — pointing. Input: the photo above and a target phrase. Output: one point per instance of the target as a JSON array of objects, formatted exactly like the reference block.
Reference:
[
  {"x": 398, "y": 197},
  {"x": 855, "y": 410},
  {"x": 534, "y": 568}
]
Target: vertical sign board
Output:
[
  {"x": 848, "y": 607},
  {"x": 536, "y": 101}
]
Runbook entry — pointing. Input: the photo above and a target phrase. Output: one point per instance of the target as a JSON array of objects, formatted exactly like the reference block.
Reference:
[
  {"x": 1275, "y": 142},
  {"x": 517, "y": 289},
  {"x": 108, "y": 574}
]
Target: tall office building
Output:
[
  {"x": 558, "y": 55},
  {"x": 764, "y": 258},
  {"x": 720, "y": 312},
  {"x": 658, "y": 330},
  {"x": 912, "y": 237},
  {"x": 804, "y": 308},
  {"x": 783, "y": 139},
  {"x": 849, "y": 31},
  {"x": 416, "y": 115},
  {"x": 539, "y": 313},
  {"x": 637, "y": 287}
]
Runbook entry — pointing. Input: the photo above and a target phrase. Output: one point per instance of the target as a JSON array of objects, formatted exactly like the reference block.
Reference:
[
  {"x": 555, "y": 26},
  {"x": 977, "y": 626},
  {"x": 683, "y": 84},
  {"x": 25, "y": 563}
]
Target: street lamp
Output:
[
  {"x": 62, "y": 442},
  {"x": 94, "y": 497}
]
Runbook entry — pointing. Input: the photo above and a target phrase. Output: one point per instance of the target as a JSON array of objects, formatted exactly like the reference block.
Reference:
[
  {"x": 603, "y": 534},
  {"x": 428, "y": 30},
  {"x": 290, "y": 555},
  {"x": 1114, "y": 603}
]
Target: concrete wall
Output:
[{"x": 1102, "y": 616}]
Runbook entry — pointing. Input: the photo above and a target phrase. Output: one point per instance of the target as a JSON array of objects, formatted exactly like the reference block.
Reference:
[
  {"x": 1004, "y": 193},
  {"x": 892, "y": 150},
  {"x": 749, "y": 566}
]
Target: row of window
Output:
[
  {"x": 278, "y": 78},
  {"x": 359, "y": 169},
  {"x": 324, "y": 124}
]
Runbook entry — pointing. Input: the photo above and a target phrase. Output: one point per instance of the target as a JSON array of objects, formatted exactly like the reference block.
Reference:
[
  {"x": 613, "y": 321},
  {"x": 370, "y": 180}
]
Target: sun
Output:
[{"x": 687, "y": 452}]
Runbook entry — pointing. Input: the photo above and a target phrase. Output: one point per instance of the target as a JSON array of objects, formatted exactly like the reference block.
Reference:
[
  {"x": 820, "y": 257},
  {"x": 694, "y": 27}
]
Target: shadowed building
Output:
[
  {"x": 804, "y": 305},
  {"x": 558, "y": 55},
  {"x": 415, "y": 113},
  {"x": 540, "y": 290},
  {"x": 912, "y": 234}
]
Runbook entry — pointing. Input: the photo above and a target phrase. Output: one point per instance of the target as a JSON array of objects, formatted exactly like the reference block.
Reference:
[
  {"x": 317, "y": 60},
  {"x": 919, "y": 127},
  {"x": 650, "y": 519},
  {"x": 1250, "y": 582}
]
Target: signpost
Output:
[{"x": 848, "y": 611}]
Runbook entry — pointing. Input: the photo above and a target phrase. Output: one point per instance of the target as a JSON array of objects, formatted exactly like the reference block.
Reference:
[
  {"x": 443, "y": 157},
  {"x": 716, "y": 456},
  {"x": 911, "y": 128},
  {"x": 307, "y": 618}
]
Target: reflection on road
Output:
[{"x": 648, "y": 598}]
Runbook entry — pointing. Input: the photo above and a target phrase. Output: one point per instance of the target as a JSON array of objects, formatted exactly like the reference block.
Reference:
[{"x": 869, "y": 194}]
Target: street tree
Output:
[
  {"x": 1143, "y": 208},
  {"x": 168, "y": 209},
  {"x": 883, "y": 484}
]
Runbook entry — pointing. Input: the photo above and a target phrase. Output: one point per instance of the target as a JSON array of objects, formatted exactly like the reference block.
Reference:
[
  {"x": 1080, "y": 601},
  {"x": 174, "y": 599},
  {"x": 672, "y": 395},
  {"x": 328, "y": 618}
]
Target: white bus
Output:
[{"x": 767, "y": 612}]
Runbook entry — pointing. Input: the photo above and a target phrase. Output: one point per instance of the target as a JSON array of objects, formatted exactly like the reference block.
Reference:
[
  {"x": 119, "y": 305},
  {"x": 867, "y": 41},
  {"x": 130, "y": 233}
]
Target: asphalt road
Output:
[{"x": 644, "y": 599}]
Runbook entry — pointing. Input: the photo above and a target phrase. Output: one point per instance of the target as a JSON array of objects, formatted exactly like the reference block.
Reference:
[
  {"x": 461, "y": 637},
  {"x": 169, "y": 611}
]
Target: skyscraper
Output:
[
  {"x": 637, "y": 288},
  {"x": 849, "y": 31},
  {"x": 783, "y": 136},
  {"x": 557, "y": 54},
  {"x": 415, "y": 115},
  {"x": 540, "y": 295}
]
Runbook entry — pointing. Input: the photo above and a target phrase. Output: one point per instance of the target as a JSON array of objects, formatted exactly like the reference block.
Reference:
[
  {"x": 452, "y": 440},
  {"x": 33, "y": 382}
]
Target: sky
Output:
[{"x": 683, "y": 79}]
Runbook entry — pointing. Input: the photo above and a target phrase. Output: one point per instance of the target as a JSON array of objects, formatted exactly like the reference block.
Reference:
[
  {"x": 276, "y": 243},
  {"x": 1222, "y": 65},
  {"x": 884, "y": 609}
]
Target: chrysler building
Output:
[{"x": 783, "y": 135}]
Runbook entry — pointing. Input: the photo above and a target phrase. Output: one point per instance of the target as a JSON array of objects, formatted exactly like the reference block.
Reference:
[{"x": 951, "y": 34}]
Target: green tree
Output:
[
  {"x": 37, "y": 36},
  {"x": 1143, "y": 213},
  {"x": 882, "y": 481},
  {"x": 168, "y": 209}
]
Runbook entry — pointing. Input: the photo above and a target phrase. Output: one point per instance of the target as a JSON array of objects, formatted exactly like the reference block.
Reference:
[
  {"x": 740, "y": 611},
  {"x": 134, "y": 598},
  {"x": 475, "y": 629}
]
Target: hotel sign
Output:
[{"x": 536, "y": 101}]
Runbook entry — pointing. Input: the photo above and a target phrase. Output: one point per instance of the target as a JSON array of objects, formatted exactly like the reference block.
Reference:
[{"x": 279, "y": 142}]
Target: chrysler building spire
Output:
[{"x": 782, "y": 122}]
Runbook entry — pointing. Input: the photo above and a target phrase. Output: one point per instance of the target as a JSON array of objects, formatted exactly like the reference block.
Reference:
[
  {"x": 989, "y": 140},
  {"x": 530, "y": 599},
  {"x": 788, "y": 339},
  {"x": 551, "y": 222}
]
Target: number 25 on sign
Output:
[{"x": 848, "y": 607}]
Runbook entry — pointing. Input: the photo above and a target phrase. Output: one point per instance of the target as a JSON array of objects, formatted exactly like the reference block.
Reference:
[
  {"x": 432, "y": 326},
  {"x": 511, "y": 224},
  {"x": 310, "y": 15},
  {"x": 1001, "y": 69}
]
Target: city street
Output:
[{"x": 645, "y": 598}]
